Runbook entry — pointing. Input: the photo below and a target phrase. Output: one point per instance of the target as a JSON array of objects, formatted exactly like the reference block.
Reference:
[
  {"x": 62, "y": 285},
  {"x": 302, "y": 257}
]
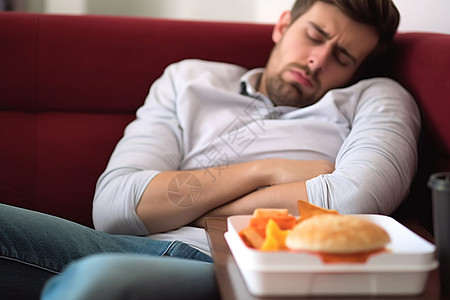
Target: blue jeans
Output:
[
  {"x": 36, "y": 246},
  {"x": 133, "y": 276}
]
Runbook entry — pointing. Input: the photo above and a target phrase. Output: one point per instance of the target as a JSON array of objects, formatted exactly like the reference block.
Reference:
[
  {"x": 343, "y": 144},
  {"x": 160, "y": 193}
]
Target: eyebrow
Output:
[{"x": 326, "y": 35}]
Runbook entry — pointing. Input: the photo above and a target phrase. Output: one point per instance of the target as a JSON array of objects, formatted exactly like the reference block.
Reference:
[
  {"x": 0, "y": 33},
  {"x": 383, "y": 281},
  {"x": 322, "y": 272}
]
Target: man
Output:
[
  {"x": 243, "y": 151},
  {"x": 296, "y": 130}
]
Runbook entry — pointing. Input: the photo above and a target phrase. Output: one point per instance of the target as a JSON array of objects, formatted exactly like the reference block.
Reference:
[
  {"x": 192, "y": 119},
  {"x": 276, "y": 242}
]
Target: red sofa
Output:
[{"x": 70, "y": 84}]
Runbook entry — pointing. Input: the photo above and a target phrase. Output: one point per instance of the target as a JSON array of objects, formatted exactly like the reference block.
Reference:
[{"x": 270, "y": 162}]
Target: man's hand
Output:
[
  {"x": 277, "y": 196},
  {"x": 288, "y": 184},
  {"x": 159, "y": 207}
]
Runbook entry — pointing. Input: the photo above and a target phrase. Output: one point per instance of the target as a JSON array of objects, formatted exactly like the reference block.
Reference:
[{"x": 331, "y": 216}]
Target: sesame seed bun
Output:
[{"x": 340, "y": 234}]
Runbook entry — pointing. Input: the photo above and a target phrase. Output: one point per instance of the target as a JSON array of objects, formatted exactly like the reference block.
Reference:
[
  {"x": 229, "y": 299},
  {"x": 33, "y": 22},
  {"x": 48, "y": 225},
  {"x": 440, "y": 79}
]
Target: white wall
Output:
[
  {"x": 65, "y": 6},
  {"x": 424, "y": 15},
  {"x": 260, "y": 11},
  {"x": 417, "y": 15}
]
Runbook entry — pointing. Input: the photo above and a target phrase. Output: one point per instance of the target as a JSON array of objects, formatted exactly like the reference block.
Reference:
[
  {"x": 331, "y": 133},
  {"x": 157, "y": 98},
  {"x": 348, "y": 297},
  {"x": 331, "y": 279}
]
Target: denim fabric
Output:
[
  {"x": 35, "y": 246},
  {"x": 131, "y": 276}
]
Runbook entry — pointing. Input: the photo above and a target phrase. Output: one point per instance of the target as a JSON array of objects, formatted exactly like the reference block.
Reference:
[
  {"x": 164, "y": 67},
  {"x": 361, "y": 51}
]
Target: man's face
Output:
[{"x": 320, "y": 51}]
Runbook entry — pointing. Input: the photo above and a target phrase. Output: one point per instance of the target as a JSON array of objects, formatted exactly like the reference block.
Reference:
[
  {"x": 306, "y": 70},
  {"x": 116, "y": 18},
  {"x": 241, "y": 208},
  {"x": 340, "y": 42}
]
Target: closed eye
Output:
[
  {"x": 343, "y": 56},
  {"x": 315, "y": 34}
]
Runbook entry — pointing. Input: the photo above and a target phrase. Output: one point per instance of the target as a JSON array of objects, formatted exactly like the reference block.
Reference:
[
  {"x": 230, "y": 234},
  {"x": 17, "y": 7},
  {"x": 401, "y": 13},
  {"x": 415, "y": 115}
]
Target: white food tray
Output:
[{"x": 403, "y": 270}]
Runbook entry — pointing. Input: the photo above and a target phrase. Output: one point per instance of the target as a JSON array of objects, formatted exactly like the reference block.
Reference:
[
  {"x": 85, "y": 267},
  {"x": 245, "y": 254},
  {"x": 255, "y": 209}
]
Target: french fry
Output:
[{"x": 251, "y": 237}]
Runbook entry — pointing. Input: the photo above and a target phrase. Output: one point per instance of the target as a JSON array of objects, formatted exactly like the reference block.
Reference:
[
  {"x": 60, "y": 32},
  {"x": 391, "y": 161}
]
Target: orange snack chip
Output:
[
  {"x": 270, "y": 244},
  {"x": 251, "y": 237},
  {"x": 270, "y": 212},
  {"x": 307, "y": 210},
  {"x": 275, "y": 237},
  {"x": 261, "y": 217}
]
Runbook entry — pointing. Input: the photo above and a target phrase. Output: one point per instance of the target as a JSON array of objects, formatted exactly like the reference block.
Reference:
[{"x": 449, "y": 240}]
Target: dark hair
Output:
[{"x": 381, "y": 14}]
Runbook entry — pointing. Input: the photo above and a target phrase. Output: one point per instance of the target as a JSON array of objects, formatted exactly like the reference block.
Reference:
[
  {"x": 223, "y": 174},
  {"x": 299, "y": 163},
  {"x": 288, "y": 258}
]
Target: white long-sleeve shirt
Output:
[{"x": 203, "y": 114}]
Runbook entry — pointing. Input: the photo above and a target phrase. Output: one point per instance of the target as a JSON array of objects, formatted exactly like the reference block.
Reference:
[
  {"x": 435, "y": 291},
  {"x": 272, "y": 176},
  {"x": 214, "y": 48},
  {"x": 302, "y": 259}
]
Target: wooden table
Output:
[{"x": 232, "y": 285}]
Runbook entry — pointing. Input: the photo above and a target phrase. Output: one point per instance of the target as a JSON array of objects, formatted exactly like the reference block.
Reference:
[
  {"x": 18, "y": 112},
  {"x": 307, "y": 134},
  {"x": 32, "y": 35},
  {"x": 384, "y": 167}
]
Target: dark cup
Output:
[{"x": 440, "y": 191}]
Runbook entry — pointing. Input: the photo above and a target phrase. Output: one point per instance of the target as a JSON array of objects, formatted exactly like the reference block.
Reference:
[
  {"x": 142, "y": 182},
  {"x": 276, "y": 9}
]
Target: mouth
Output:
[{"x": 299, "y": 76}]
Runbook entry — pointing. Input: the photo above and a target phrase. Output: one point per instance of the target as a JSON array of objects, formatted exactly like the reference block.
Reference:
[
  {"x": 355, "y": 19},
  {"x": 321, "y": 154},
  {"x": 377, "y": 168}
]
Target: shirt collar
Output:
[
  {"x": 250, "y": 81},
  {"x": 249, "y": 87}
]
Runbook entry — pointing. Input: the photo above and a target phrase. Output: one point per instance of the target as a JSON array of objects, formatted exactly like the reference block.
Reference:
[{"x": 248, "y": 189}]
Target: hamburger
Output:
[{"x": 338, "y": 238}]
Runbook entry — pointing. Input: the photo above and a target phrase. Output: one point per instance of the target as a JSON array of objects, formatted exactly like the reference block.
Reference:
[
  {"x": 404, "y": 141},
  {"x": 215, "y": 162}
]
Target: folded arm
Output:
[
  {"x": 278, "y": 196},
  {"x": 161, "y": 210}
]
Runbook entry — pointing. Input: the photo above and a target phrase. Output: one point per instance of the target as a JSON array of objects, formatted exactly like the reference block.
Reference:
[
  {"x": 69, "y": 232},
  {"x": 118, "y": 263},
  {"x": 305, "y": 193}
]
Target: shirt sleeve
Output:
[
  {"x": 151, "y": 144},
  {"x": 378, "y": 160}
]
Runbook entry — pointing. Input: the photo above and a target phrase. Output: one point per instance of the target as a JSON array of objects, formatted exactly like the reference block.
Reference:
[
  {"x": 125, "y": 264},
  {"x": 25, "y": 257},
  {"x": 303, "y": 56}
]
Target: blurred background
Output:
[{"x": 417, "y": 15}]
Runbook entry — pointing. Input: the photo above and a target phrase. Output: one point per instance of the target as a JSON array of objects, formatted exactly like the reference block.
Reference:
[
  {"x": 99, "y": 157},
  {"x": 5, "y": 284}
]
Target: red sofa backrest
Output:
[{"x": 70, "y": 84}]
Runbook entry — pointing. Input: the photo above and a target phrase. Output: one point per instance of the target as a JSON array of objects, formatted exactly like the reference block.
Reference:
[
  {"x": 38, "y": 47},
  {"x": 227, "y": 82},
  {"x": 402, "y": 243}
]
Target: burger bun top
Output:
[{"x": 338, "y": 234}]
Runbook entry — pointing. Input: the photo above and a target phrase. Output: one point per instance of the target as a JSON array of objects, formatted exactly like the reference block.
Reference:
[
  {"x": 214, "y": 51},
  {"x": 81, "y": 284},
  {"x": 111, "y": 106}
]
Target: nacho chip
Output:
[
  {"x": 275, "y": 237},
  {"x": 307, "y": 210}
]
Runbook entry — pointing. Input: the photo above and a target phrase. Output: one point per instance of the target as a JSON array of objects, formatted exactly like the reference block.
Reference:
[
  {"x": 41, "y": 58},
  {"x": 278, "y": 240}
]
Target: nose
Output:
[{"x": 319, "y": 58}]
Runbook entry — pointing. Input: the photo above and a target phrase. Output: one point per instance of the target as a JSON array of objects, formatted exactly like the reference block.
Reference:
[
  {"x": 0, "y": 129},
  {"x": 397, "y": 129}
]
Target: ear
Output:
[{"x": 281, "y": 26}]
